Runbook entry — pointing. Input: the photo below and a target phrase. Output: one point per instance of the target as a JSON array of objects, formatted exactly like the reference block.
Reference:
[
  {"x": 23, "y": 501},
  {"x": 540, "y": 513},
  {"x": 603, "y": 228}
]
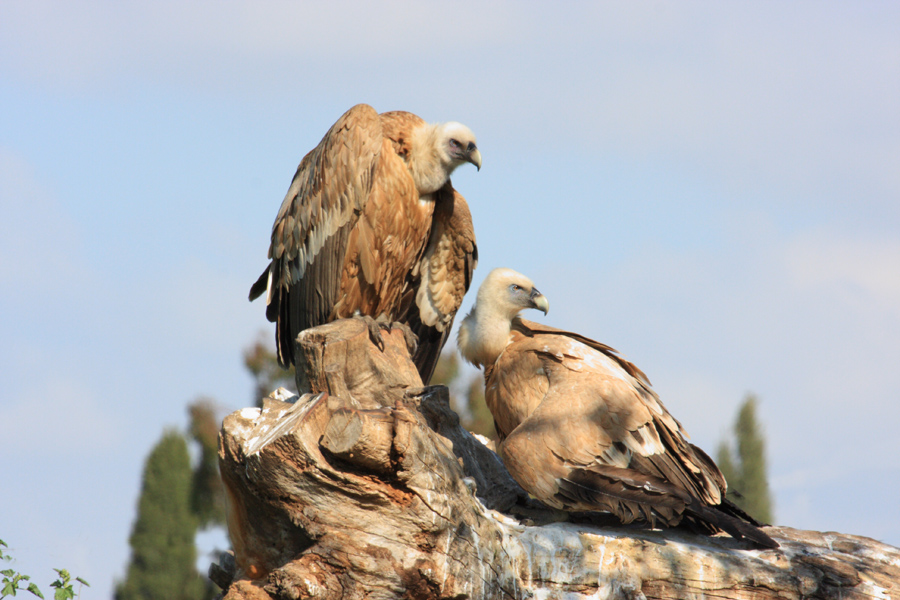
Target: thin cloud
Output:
[
  {"x": 66, "y": 416},
  {"x": 174, "y": 42},
  {"x": 39, "y": 240},
  {"x": 863, "y": 272}
]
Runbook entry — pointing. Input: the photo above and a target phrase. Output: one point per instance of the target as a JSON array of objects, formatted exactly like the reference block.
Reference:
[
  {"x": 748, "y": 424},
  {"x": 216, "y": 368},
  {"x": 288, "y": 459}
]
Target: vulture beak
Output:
[
  {"x": 473, "y": 155},
  {"x": 539, "y": 301}
]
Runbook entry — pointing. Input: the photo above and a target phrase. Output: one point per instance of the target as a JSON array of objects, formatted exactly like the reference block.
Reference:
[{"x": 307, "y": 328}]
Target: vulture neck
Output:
[
  {"x": 427, "y": 161},
  {"x": 483, "y": 337}
]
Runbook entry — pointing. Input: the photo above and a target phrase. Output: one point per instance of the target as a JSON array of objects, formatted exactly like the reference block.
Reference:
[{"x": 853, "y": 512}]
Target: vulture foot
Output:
[
  {"x": 374, "y": 326},
  {"x": 412, "y": 340}
]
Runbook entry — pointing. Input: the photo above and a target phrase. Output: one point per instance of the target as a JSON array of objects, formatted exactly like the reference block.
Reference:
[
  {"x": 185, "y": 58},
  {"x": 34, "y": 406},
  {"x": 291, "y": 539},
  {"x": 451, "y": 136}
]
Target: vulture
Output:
[
  {"x": 371, "y": 226},
  {"x": 580, "y": 427}
]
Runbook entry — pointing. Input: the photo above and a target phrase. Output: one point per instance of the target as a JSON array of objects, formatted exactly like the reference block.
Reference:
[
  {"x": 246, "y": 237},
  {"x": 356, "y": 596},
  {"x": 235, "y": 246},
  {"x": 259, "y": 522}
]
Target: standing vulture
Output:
[
  {"x": 371, "y": 226},
  {"x": 581, "y": 429}
]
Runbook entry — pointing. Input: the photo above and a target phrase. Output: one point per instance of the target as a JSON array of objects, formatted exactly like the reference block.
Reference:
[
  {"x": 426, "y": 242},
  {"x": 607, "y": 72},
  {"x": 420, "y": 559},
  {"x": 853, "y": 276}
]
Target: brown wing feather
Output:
[
  {"x": 390, "y": 236},
  {"x": 530, "y": 328},
  {"x": 396, "y": 126},
  {"x": 512, "y": 390},
  {"x": 435, "y": 288},
  {"x": 625, "y": 493}
]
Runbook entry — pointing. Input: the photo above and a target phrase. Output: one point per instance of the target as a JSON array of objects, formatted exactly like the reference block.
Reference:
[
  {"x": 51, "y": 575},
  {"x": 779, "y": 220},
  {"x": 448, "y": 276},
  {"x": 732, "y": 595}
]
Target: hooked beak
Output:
[
  {"x": 539, "y": 301},
  {"x": 473, "y": 155}
]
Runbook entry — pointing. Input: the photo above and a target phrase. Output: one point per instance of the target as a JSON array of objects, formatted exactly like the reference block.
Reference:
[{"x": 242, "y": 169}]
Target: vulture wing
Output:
[
  {"x": 435, "y": 288},
  {"x": 327, "y": 255}
]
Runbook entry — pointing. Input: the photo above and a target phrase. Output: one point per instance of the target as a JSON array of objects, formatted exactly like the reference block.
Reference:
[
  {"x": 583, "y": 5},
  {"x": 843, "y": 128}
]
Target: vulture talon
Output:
[
  {"x": 374, "y": 326},
  {"x": 412, "y": 340}
]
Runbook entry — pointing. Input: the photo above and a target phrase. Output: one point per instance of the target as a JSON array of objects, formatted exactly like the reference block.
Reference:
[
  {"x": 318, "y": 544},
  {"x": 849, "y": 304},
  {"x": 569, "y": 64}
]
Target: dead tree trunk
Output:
[{"x": 369, "y": 488}]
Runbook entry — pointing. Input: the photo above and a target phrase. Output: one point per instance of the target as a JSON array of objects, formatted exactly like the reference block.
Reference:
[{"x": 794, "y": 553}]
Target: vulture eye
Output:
[
  {"x": 515, "y": 287},
  {"x": 454, "y": 143}
]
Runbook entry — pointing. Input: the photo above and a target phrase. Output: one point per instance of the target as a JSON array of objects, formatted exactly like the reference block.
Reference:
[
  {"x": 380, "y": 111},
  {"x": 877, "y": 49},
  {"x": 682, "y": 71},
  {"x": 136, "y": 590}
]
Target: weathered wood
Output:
[
  {"x": 383, "y": 495},
  {"x": 363, "y": 437},
  {"x": 340, "y": 359}
]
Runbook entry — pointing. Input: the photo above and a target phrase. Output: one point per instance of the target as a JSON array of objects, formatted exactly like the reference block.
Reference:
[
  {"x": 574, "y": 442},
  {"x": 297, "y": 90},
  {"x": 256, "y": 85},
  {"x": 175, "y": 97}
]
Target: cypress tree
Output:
[
  {"x": 751, "y": 448},
  {"x": 746, "y": 475},
  {"x": 726, "y": 465},
  {"x": 162, "y": 538}
]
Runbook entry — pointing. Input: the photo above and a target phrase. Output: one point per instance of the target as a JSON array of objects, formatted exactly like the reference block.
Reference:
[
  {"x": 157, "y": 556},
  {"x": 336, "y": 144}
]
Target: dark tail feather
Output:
[
  {"x": 431, "y": 342},
  {"x": 732, "y": 524},
  {"x": 280, "y": 312},
  {"x": 734, "y": 510},
  {"x": 625, "y": 492},
  {"x": 257, "y": 289}
]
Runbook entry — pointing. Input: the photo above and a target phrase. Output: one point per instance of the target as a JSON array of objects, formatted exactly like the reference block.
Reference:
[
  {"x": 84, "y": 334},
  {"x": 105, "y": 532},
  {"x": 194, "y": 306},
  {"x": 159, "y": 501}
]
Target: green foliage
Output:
[
  {"x": 162, "y": 538},
  {"x": 262, "y": 362},
  {"x": 746, "y": 472},
  {"x": 207, "y": 494},
  {"x": 63, "y": 585},
  {"x": 726, "y": 465},
  {"x": 12, "y": 579}
]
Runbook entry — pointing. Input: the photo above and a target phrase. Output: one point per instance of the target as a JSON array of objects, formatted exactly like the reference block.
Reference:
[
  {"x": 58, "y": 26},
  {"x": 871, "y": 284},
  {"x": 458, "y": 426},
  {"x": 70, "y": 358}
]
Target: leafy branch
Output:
[{"x": 12, "y": 581}]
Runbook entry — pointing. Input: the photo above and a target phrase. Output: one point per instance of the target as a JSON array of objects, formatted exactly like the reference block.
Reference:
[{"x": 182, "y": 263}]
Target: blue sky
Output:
[{"x": 711, "y": 188}]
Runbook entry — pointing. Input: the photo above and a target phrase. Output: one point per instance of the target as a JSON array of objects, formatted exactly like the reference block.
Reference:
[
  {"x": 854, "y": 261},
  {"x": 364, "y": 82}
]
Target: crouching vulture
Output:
[{"x": 580, "y": 427}]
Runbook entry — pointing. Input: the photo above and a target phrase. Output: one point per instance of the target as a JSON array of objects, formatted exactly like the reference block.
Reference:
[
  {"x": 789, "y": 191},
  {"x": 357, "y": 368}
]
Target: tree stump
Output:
[{"x": 368, "y": 487}]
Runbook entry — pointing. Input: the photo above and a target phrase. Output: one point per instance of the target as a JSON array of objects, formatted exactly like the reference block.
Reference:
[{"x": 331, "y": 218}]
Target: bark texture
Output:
[{"x": 367, "y": 487}]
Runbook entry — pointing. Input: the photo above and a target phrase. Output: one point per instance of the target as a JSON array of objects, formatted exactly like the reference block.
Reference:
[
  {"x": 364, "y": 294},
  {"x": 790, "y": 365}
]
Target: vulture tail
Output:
[
  {"x": 734, "y": 510},
  {"x": 627, "y": 494},
  {"x": 736, "y": 526}
]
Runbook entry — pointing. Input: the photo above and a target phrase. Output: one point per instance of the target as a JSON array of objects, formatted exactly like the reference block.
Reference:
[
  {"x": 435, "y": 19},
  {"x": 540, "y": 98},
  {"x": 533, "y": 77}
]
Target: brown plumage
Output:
[
  {"x": 371, "y": 225},
  {"x": 580, "y": 427}
]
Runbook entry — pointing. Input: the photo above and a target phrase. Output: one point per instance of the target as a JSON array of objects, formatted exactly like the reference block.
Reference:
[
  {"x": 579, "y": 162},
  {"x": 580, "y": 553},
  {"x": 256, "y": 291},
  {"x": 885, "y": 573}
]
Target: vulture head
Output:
[
  {"x": 458, "y": 145},
  {"x": 505, "y": 293},
  {"x": 485, "y": 331},
  {"x": 436, "y": 153}
]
